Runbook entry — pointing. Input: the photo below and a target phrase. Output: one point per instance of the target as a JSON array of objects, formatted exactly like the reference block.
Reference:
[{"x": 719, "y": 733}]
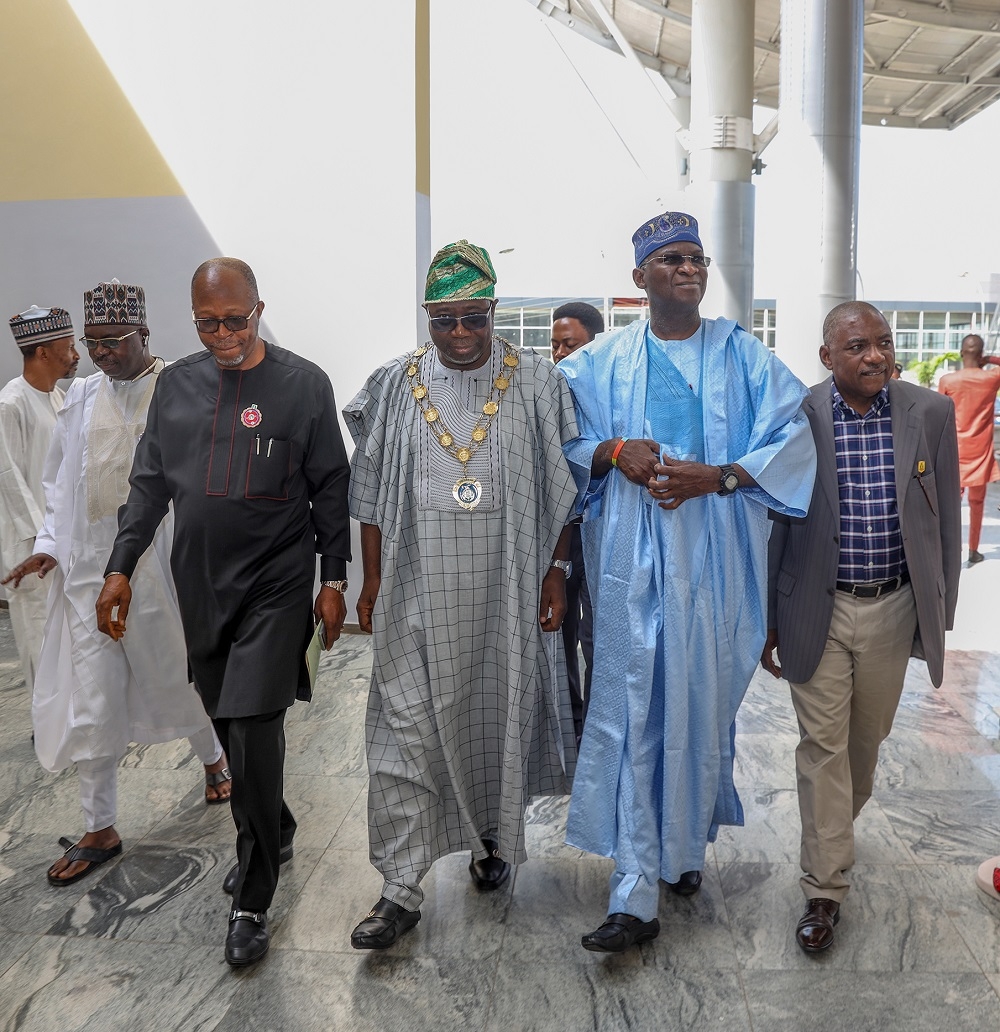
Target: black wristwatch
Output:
[{"x": 729, "y": 480}]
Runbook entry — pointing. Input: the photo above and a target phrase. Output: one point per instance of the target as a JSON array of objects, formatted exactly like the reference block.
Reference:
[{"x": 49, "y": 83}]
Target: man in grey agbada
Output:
[{"x": 460, "y": 485}]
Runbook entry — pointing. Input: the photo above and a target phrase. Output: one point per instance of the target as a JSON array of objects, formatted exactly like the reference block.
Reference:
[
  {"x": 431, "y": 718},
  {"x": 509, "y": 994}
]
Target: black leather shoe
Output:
[
  {"x": 383, "y": 926},
  {"x": 814, "y": 932},
  {"x": 619, "y": 932},
  {"x": 248, "y": 937},
  {"x": 229, "y": 882},
  {"x": 687, "y": 885},
  {"x": 491, "y": 873}
]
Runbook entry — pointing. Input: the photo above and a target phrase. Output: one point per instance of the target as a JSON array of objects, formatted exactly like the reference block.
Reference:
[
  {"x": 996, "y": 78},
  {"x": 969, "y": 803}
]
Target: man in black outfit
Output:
[
  {"x": 574, "y": 325},
  {"x": 243, "y": 439}
]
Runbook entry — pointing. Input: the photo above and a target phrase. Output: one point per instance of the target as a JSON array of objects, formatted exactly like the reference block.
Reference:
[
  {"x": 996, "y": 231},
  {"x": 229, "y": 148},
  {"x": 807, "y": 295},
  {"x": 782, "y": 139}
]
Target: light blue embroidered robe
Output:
[{"x": 679, "y": 603}]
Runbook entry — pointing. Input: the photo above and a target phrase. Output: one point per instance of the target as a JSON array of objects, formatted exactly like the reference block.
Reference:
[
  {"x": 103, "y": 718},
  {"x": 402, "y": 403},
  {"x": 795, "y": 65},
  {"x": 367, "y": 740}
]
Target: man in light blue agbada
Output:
[{"x": 690, "y": 431}]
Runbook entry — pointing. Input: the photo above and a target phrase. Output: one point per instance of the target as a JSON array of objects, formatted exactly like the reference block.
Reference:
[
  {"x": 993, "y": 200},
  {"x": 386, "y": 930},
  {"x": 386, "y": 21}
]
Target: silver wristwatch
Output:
[
  {"x": 337, "y": 585},
  {"x": 565, "y": 565},
  {"x": 729, "y": 480}
]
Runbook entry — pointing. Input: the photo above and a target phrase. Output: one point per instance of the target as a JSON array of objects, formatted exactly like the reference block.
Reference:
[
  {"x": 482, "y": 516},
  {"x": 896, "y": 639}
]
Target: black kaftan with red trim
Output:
[{"x": 254, "y": 464}]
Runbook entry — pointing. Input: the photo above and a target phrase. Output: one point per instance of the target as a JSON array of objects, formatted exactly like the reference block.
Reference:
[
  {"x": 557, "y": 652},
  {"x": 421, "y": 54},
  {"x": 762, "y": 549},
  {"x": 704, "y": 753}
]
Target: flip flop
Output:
[
  {"x": 215, "y": 779},
  {"x": 93, "y": 857}
]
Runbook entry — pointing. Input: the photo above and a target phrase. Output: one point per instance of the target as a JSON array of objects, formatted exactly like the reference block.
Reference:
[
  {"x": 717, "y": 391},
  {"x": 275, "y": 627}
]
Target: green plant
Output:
[{"x": 926, "y": 369}]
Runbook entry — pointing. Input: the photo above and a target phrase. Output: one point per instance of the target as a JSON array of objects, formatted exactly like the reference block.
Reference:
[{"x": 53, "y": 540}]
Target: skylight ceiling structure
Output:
[{"x": 928, "y": 64}]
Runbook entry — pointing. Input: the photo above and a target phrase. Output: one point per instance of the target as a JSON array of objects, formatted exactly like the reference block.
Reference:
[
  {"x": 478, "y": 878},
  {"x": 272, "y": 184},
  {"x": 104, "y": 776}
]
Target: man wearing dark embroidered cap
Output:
[
  {"x": 243, "y": 440},
  {"x": 93, "y": 696},
  {"x": 689, "y": 431},
  {"x": 28, "y": 407},
  {"x": 462, "y": 492}
]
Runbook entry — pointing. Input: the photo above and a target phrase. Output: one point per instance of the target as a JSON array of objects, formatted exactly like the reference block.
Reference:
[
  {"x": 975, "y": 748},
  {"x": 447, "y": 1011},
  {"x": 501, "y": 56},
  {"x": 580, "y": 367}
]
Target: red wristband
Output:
[{"x": 617, "y": 451}]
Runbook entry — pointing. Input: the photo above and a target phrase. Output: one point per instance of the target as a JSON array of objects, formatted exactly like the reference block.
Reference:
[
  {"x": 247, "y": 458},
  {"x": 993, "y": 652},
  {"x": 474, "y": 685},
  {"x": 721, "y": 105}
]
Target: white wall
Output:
[{"x": 291, "y": 129}]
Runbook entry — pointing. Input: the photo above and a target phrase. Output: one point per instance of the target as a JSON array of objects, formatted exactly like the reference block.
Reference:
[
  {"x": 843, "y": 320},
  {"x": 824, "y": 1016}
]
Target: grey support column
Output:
[
  {"x": 721, "y": 146},
  {"x": 821, "y": 63}
]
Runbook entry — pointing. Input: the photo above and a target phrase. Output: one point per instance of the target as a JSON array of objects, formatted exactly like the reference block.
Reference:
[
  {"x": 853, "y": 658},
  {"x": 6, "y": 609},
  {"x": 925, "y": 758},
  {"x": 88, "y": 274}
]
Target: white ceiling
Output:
[{"x": 928, "y": 64}]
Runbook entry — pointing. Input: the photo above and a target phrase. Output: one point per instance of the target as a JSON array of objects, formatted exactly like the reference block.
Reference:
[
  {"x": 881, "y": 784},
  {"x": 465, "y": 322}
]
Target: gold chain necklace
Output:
[{"x": 467, "y": 491}]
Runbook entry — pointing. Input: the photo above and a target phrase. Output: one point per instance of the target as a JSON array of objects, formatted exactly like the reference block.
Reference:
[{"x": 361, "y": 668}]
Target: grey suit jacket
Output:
[{"x": 803, "y": 554}]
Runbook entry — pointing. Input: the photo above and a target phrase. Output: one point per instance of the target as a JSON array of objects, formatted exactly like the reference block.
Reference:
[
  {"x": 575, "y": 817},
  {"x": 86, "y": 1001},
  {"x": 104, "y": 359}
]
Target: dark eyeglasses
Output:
[
  {"x": 700, "y": 260},
  {"x": 446, "y": 323},
  {"x": 111, "y": 343},
  {"x": 233, "y": 323}
]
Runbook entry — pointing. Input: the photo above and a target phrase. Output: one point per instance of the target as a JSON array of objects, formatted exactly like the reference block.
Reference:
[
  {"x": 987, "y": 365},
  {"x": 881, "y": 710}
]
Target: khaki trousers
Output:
[{"x": 845, "y": 712}]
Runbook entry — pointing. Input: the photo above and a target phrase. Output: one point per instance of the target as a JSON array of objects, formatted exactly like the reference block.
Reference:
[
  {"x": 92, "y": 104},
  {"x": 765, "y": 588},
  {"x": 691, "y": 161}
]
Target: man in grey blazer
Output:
[{"x": 866, "y": 579}]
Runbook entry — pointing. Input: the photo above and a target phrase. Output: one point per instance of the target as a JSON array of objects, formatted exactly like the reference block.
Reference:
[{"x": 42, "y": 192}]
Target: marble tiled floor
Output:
[{"x": 139, "y": 944}]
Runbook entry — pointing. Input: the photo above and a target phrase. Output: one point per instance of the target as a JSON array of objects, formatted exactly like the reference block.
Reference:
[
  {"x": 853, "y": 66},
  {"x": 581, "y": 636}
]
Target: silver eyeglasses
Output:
[
  {"x": 90, "y": 343},
  {"x": 700, "y": 260}
]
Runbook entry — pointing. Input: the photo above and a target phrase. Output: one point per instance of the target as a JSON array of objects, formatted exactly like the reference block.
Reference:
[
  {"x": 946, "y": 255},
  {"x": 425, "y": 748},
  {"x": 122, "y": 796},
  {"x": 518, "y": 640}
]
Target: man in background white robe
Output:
[
  {"x": 28, "y": 407},
  {"x": 94, "y": 696}
]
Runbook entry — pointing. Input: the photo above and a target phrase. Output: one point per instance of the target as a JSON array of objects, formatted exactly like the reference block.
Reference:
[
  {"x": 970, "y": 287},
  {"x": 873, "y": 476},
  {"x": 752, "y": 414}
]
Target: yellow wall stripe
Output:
[{"x": 67, "y": 130}]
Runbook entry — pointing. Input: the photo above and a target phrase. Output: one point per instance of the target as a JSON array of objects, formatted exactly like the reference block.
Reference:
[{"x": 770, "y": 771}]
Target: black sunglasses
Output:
[
  {"x": 233, "y": 323},
  {"x": 446, "y": 323}
]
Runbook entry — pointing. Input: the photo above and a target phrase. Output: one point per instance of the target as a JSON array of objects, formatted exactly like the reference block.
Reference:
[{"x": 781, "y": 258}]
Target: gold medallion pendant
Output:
[{"x": 467, "y": 492}]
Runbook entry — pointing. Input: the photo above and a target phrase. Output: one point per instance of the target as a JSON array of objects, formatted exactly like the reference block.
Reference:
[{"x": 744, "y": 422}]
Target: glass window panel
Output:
[
  {"x": 624, "y": 316},
  {"x": 907, "y": 320},
  {"x": 538, "y": 339},
  {"x": 934, "y": 320},
  {"x": 961, "y": 321},
  {"x": 934, "y": 342},
  {"x": 906, "y": 341},
  {"x": 538, "y": 317},
  {"x": 510, "y": 333},
  {"x": 507, "y": 317}
]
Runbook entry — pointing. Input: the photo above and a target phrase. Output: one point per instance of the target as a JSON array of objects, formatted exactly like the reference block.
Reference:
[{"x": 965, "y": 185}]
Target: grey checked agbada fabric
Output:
[{"x": 469, "y": 713}]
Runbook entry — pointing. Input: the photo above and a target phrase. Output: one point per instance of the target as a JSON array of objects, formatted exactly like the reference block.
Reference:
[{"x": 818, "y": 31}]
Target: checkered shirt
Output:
[{"x": 871, "y": 544}]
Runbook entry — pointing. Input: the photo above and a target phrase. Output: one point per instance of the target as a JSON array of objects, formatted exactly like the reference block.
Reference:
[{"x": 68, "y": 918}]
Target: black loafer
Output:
[
  {"x": 687, "y": 885},
  {"x": 383, "y": 926},
  {"x": 230, "y": 880},
  {"x": 489, "y": 874},
  {"x": 619, "y": 932},
  {"x": 248, "y": 937}
]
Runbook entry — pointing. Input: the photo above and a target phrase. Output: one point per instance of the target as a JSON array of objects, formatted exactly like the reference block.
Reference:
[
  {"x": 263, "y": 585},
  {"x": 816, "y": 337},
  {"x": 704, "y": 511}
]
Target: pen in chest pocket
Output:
[{"x": 919, "y": 477}]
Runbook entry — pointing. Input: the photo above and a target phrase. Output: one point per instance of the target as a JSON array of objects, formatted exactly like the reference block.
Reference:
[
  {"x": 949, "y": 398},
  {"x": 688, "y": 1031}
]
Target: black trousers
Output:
[
  {"x": 578, "y": 626},
  {"x": 255, "y": 747}
]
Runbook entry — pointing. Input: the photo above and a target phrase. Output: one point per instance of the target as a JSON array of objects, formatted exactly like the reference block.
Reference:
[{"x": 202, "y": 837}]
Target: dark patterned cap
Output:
[
  {"x": 116, "y": 303},
  {"x": 661, "y": 230},
  {"x": 40, "y": 326}
]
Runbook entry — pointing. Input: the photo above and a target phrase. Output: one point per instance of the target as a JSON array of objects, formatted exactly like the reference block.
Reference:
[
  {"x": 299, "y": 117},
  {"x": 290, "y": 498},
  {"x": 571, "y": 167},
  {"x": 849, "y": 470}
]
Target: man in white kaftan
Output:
[
  {"x": 465, "y": 555},
  {"x": 94, "y": 696},
  {"x": 689, "y": 431},
  {"x": 28, "y": 407}
]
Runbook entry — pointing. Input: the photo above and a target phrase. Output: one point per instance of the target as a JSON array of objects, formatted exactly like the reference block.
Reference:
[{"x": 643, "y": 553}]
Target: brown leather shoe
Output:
[{"x": 814, "y": 932}]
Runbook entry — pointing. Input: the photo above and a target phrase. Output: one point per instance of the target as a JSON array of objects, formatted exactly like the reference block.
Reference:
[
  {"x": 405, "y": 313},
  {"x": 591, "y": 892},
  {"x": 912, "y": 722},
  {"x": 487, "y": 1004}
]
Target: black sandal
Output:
[
  {"x": 213, "y": 780},
  {"x": 88, "y": 854}
]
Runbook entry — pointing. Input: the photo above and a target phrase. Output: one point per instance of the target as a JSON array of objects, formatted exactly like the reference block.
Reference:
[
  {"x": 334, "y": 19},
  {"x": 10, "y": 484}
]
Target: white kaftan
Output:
[
  {"x": 93, "y": 695},
  {"x": 27, "y": 419}
]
